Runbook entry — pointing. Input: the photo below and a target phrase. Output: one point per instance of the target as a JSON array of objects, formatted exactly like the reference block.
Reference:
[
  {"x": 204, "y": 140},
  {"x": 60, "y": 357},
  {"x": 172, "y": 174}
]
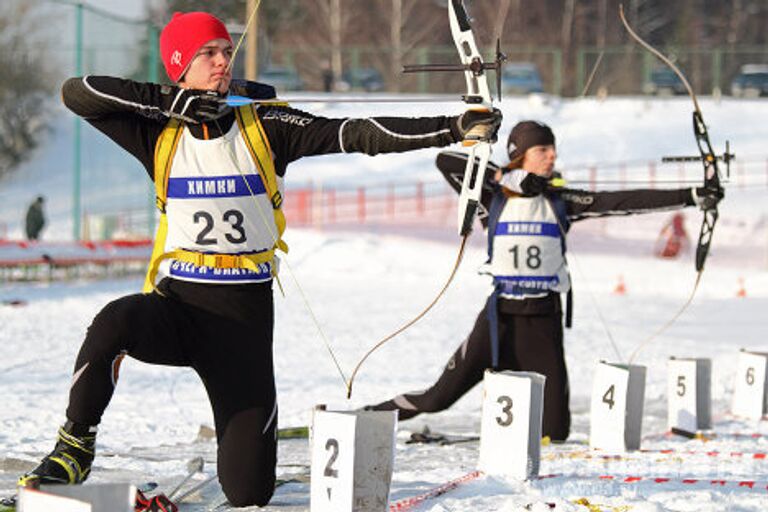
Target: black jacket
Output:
[
  {"x": 578, "y": 204},
  {"x": 570, "y": 205},
  {"x": 134, "y": 114}
]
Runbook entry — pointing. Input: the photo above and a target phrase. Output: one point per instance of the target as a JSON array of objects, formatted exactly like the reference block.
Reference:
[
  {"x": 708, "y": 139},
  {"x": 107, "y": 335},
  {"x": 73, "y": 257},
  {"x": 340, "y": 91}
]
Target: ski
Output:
[
  {"x": 301, "y": 432},
  {"x": 293, "y": 433},
  {"x": 301, "y": 477},
  {"x": 221, "y": 503}
]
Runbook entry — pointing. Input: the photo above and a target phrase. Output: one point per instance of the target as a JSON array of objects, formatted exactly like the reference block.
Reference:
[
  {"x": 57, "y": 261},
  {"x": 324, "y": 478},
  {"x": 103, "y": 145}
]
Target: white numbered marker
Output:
[
  {"x": 689, "y": 394},
  {"x": 352, "y": 459},
  {"x": 31, "y": 500},
  {"x": 616, "y": 411},
  {"x": 78, "y": 498},
  {"x": 510, "y": 432},
  {"x": 749, "y": 392}
]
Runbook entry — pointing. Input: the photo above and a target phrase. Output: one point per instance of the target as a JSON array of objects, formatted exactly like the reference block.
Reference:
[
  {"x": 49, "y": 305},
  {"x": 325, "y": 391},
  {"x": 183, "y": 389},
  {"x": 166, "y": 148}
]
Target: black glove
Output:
[
  {"x": 707, "y": 198},
  {"x": 479, "y": 124},
  {"x": 195, "y": 106},
  {"x": 533, "y": 185},
  {"x": 527, "y": 184}
]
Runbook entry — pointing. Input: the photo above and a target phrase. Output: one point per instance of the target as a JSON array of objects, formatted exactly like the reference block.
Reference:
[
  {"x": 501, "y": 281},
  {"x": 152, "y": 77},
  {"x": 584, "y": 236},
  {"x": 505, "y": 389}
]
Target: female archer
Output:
[{"x": 520, "y": 325}]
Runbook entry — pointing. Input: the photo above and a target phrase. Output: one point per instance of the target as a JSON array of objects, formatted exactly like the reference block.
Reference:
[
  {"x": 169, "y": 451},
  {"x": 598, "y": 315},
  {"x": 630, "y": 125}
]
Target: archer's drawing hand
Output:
[
  {"x": 195, "y": 106},
  {"x": 524, "y": 183}
]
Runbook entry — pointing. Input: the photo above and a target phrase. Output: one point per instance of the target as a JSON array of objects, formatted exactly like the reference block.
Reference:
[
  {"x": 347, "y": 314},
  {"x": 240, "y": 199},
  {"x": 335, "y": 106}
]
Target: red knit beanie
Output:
[{"x": 184, "y": 35}]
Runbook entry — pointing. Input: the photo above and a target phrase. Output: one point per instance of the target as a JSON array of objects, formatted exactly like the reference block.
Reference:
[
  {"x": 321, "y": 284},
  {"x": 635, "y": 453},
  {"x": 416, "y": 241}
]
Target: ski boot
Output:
[{"x": 69, "y": 462}]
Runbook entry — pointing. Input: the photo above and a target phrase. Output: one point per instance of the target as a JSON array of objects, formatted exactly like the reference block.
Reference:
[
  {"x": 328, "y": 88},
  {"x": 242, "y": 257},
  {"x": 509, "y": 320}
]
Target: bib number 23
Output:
[{"x": 235, "y": 220}]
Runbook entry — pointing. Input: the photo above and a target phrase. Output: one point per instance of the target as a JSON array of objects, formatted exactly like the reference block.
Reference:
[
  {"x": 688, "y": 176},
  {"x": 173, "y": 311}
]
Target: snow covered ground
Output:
[{"x": 363, "y": 285}]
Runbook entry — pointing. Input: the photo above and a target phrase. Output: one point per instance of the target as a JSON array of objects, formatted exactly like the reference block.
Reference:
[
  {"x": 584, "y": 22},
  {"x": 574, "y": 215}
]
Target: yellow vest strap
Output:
[
  {"x": 164, "y": 151},
  {"x": 244, "y": 261},
  {"x": 258, "y": 146}
]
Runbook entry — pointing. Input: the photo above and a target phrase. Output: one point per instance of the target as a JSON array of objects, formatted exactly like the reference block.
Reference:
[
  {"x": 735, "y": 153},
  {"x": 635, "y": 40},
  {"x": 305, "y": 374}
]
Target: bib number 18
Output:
[{"x": 532, "y": 256}]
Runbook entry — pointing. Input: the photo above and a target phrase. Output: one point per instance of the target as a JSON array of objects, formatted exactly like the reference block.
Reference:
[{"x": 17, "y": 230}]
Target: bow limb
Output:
[
  {"x": 708, "y": 158},
  {"x": 478, "y": 97}
]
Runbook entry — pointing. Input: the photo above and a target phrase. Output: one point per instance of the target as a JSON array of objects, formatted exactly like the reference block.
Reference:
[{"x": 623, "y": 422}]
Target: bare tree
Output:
[
  {"x": 566, "y": 31},
  {"x": 326, "y": 29},
  {"x": 411, "y": 24},
  {"x": 24, "y": 85},
  {"x": 396, "y": 42},
  {"x": 385, "y": 33}
]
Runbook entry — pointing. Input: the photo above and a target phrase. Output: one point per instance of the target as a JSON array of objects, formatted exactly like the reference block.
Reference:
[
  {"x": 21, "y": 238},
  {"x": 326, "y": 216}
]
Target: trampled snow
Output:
[{"x": 362, "y": 285}]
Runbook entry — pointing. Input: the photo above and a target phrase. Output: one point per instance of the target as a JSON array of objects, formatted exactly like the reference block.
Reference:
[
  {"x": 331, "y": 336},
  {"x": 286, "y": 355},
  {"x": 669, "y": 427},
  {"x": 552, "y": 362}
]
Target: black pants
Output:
[
  {"x": 223, "y": 332},
  {"x": 527, "y": 342}
]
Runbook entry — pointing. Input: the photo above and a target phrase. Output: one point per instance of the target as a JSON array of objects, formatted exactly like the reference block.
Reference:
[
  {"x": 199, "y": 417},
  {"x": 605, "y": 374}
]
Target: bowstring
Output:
[
  {"x": 273, "y": 234},
  {"x": 242, "y": 36},
  {"x": 669, "y": 322},
  {"x": 693, "y": 97},
  {"x": 410, "y": 323},
  {"x": 572, "y": 256},
  {"x": 269, "y": 228}
]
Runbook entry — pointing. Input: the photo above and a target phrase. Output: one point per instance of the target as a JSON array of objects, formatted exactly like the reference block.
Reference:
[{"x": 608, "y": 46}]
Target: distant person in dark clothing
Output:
[{"x": 35, "y": 219}]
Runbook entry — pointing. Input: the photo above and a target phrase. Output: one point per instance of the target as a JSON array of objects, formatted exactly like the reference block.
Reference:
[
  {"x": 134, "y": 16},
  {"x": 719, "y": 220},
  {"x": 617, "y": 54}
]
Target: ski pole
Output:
[{"x": 194, "y": 466}]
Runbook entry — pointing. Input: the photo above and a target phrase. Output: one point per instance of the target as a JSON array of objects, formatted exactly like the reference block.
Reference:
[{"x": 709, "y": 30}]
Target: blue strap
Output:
[
  {"x": 494, "y": 212},
  {"x": 561, "y": 212},
  {"x": 492, "y": 312}
]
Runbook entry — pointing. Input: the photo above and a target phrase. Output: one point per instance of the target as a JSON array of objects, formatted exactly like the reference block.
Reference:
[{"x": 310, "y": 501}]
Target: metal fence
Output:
[{"x": 73, "y": 156}]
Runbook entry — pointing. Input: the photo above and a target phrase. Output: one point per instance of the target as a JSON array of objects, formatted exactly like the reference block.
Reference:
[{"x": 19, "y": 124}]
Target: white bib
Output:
[
  {"x": 528, "y": 258},
  {"x": 217, "y": 204}
]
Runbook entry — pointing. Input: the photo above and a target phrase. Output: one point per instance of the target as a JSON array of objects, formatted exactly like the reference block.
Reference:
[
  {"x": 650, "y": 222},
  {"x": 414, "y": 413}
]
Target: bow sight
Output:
[
  {"x": 726, "y": 158},
  {"x": 476, "y": 66}
]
